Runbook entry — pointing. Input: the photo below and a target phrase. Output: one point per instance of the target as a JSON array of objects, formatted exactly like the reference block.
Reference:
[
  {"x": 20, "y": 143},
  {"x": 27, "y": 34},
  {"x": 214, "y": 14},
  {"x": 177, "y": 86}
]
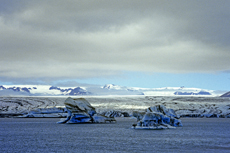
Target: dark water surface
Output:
[{"x": 44, "y": 135}]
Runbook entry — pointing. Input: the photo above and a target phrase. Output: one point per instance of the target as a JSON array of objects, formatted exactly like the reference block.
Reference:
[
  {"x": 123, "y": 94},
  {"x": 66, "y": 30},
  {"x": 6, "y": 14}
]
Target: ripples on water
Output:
[{"x": 44, "y": 135}]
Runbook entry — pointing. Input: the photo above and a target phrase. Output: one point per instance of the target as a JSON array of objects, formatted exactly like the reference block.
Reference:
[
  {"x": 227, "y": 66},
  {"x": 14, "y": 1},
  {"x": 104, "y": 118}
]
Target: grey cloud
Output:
[{"x": 79, "y": 39}]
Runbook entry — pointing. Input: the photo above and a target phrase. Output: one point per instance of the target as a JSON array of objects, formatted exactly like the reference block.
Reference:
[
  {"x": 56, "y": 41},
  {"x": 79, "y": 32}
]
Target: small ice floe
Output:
[
  {"x": 157, "y": 118},
  {"x": 80, "y": 111},
  {"x": 56, "y": 112}
]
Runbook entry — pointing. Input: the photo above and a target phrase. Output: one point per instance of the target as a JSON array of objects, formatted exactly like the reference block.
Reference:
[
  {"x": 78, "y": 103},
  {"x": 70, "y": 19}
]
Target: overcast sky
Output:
[{"x": 118, "y": 41}]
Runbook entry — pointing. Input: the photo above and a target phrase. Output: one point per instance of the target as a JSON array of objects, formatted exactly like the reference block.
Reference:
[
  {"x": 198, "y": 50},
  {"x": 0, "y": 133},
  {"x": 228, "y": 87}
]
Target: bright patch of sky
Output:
[{"x": 218, "y": 81}]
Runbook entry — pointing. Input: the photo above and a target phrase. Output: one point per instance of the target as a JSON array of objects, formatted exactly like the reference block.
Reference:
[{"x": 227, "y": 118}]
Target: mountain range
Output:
[{"x": 108, "y": 89}]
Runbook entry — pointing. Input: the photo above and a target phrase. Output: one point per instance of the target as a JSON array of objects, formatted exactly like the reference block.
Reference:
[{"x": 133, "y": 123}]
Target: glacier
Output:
[{"x": 117, "y": 106}]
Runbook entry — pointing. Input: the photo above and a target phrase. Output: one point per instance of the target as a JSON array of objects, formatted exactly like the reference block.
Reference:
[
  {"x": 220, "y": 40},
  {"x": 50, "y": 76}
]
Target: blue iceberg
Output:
[
  {"x": 80, "y": 111},
  {"x": 158, "y": 117}
]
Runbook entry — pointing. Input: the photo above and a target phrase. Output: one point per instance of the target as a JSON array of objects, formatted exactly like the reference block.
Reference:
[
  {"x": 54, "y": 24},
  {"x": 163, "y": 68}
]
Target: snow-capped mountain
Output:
[
  {"x": 171, "y": 91},
  {"x": 227, "y": 94},
  {"x": 41, "y": 90},
  {"x": 113, "y": 87},
  {"x": 108, "y": 89},
  {"x": 19, "y": 89},
  {"x": 71, "y": 91}
]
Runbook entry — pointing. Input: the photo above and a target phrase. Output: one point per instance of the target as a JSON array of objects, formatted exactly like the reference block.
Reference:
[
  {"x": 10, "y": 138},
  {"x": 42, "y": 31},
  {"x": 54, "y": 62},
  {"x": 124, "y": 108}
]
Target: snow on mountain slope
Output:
[
  {"x": 175, "y": 91},
  {"x": 42, "y": 90},
  {"x": 112, "y": 86},
  {"x": 165, "y": 91},
  {"x": 226, "y": 94},
  {"x": 108, "y": 89}
]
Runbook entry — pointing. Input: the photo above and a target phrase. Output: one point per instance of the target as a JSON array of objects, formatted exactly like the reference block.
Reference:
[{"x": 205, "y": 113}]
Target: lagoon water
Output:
[{"x": 44, "y": 135}]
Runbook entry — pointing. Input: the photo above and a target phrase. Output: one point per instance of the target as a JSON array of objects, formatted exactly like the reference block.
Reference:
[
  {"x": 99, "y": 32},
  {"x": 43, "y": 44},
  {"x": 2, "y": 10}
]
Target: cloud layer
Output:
[{"x": 51, "y": 40}]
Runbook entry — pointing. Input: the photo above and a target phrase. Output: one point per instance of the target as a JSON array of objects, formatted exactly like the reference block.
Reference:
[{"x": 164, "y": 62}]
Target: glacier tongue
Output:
[{"x": 115, "y": 106}]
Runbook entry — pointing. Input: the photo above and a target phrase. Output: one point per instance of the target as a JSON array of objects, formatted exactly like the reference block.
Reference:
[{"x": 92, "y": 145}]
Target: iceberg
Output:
[
  {"x": 157, "y": 117},
  {"x": 80, "y": 111}
]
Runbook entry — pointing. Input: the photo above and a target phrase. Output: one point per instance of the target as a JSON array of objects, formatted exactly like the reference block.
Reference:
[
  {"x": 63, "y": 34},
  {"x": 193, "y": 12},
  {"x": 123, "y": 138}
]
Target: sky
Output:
[{"x": 151, "y": 43}]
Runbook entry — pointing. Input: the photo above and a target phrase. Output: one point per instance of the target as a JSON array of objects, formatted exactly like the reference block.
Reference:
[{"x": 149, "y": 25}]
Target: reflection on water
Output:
[{"x": 44, "y": 135}]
